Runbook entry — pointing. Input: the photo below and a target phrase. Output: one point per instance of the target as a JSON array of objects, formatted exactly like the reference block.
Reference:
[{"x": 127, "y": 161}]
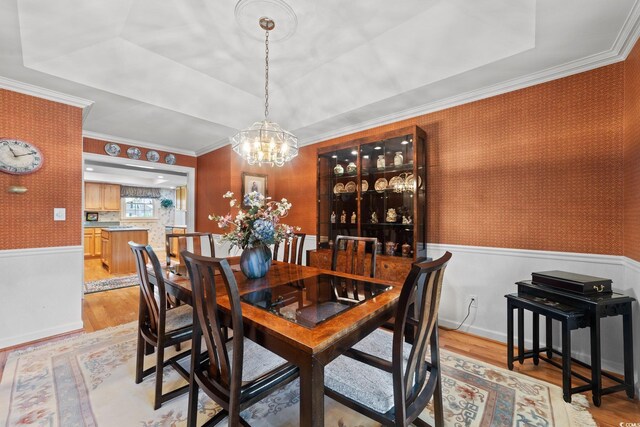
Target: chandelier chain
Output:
[{"x": 266, "y": 75}]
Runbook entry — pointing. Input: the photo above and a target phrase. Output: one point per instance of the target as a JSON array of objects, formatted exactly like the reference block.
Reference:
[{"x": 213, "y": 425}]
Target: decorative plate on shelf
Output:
[
  {"x": 338, "y": 188},
  {"x": 170, "y": 159},
  {"x": 134, "y": 153},
  {"x": 112, "y": 149},
  {"x": 380, "y": 185},
  {"x": 395, "y": 181},
  {"x": 410, "y": 181},
  {"x": 350, "y": 187},
  {"x": 365, "y": 185},
  {"x": 153, "y": 156}
]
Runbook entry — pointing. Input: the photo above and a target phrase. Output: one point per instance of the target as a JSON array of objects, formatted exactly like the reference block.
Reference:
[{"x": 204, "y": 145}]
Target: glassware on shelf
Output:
[
  {"x": 392, "y": 216},
  {"x": 380, "y": 162},
  {"x": 390, "y": 248},
  {"x": 398, "y": 160},
  {"x": 353, "y": 218},
  {"x": 351, "y": 168},
  {"x": 406, "y": 250}
]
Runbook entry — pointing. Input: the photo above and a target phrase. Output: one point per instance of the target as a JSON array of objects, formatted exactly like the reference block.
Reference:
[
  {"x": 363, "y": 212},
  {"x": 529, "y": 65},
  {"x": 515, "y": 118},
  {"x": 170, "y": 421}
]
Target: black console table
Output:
[{"x": 574, "y": 311}]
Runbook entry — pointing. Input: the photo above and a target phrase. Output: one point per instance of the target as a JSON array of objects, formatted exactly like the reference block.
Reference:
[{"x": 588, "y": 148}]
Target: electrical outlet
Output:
[{"x": 474, "y": 300}]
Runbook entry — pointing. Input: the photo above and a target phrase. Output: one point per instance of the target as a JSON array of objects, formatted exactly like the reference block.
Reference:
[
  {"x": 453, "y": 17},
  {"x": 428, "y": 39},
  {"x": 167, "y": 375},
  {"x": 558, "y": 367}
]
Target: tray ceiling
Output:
[{"x": 182, "y": 74}]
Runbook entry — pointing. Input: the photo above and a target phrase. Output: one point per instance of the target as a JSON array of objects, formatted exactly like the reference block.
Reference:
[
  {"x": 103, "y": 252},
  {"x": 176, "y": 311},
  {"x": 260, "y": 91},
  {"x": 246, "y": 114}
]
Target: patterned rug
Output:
[
  {"x": 88, "y": 380},
  {"x": 109, "y": 284}
]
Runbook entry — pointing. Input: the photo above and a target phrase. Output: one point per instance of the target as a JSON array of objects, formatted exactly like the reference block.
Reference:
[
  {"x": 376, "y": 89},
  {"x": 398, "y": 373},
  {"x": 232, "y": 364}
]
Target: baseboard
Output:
[{"x": 39, "y": 335}]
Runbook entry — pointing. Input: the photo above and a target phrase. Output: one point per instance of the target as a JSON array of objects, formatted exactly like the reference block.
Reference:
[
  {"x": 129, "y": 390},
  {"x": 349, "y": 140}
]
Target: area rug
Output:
[
  {"x": 88, "y": 380},
  {"x": 112, "y": 283}
]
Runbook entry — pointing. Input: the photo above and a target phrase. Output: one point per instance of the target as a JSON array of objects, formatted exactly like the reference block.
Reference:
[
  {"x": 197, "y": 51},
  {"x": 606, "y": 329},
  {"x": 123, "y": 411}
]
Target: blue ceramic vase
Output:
[{"x": 255, "y": 262}]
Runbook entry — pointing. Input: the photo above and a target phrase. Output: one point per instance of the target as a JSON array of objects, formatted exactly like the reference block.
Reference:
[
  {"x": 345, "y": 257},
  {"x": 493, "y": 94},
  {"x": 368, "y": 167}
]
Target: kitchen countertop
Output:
[
  {"x": 98, "y": 224},
  {"x": 112, "y": 229}
]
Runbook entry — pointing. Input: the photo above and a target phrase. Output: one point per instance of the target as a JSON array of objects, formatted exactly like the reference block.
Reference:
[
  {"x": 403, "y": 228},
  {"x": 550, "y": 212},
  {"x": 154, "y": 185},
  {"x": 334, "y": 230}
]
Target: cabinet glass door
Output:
[
  {"x": 337, "y": 195},
  {"x": 387, "y": 205}
]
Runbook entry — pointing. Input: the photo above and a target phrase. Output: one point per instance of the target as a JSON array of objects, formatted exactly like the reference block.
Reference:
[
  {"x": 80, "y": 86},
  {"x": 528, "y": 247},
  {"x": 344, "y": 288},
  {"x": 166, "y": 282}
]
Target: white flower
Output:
[
  {"x": 228, "y": 194},
  {"x": 232, "y": 203}
]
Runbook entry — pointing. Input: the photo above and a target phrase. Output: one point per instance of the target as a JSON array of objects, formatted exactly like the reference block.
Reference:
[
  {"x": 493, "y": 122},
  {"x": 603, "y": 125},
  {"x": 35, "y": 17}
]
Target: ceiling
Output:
[{"x": 183, "y": 76}]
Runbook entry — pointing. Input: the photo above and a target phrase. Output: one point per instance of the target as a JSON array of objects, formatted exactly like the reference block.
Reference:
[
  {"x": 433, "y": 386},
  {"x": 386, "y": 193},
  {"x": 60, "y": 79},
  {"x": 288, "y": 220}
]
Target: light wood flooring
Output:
[{"x": 105, "y": 309}]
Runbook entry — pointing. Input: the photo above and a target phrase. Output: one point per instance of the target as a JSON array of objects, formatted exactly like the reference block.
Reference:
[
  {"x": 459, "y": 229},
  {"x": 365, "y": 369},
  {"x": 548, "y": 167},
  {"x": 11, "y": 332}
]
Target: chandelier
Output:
[{"x": 265, "y": 142}]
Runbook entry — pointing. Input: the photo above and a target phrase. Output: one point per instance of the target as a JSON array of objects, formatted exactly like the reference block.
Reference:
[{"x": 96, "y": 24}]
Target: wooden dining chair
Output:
[
  {"x": 234, "y": 373},
  {"x": 292, "y": 249},
  {"x": 387, "y": 378},
  {"x": 194, "y": 242},
  {"x": 159, "y": 326},
  {"x": 357, "y": 250}
]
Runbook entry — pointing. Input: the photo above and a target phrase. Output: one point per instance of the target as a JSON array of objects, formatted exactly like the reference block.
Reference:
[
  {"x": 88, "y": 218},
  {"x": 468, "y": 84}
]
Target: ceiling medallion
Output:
[{"x": 265, "y": 142}]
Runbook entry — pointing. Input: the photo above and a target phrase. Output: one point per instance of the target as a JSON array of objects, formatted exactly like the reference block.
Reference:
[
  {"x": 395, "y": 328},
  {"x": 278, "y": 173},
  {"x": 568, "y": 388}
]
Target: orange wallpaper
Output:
[
  {"x": 218, "y": 172},
  {"x": 539, "y": 168},
  {"x": 97, "y": 146},
  {"x": 632, "y": 154},
  {"x": 56, "y": 129}
]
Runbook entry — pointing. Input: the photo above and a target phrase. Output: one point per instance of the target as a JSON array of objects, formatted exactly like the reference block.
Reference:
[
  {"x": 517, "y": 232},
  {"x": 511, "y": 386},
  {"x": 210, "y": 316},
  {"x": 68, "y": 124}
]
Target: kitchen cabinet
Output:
[
  {"x": 101, "y": 197},
  {"x": 116, "y": 252},
  {"x": 88, "y": 242},
  {"x": 181, "y": 198},
  {"x": 92, "y": 242}
]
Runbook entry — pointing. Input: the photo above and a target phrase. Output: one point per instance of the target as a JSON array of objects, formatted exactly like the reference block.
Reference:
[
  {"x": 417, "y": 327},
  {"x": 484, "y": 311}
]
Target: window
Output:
[{"x": 139, "y": 207}]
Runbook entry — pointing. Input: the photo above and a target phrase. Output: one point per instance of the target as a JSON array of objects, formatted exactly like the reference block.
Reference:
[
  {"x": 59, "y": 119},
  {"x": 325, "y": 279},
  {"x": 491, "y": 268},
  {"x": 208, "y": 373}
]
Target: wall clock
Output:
[
  {"x": 112, "y": 149},
  {"x": 170, "y": 159},
  {"x": 134, "y": 153},
  {"x": 153, "y": 156},
  {"x": 19, "y": 157}
]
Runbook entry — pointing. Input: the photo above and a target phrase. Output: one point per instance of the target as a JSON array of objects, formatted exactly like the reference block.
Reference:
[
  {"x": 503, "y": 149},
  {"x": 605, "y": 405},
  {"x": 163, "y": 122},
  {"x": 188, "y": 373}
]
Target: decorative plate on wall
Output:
[
  {"x": 338, "y": 188},
  {"x": 153, "y": 156},
  {"x": 134, "y": 153},
  {"x": 112, "y": 149},
  {"x": 170, "y": 159}
]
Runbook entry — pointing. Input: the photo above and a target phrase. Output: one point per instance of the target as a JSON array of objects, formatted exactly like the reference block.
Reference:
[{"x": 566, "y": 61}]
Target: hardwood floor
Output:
[{"x": 105, "y": 309}]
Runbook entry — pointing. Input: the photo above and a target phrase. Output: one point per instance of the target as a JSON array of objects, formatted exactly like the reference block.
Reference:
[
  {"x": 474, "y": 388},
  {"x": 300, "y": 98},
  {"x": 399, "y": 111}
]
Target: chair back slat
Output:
[
  {"x": 358, "y": 252},
  {"x": 225, "y": 373},
  {"x": 417, "y": 312},
  {"x": 293, "y": 250},
  {"x": 153, "y": 294},
  {"x": 193, "y": 242}
]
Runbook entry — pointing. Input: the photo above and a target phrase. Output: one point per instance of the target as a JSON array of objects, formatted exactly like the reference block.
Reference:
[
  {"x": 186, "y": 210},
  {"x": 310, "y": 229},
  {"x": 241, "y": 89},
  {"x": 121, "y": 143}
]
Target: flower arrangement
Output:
[{"x": 257, "y": 225}]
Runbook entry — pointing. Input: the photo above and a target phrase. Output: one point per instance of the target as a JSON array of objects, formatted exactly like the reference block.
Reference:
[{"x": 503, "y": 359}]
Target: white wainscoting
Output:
[
  {"x": 491, "y": 273},
  {"x": 41, "y": 292}
]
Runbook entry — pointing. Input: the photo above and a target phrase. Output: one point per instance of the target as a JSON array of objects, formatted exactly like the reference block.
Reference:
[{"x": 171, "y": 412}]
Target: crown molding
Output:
[
  {"x": 212, "y": 147},
  {"x": 136, "y": 143},
  {"x": 40, "y": 92},
  {"x": 621, "y": 48},
  {"x": 629, "y": 33}
]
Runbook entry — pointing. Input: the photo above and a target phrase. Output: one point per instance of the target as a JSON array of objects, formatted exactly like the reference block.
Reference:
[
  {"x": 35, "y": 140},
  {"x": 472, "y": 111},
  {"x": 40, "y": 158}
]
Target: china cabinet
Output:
[{"x": 374, "y": 187}]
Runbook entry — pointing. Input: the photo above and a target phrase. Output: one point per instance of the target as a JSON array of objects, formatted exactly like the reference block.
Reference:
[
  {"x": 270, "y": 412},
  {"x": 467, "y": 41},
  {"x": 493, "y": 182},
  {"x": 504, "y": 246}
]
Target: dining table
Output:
[{"x": 310, "y": 339}]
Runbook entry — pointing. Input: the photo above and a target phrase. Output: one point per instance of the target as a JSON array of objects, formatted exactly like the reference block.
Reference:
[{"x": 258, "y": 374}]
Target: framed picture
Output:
[
  {"x": 254, "y": 182},
  {"x": 91, "y": 216}
]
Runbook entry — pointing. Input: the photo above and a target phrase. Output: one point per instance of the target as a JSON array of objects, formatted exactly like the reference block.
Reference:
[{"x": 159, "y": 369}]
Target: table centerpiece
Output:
[{"x": 254, "y": 229}]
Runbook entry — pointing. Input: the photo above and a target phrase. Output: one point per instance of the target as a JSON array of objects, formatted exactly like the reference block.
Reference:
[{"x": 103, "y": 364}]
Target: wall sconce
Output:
[{"x": 17, "y": 189}]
